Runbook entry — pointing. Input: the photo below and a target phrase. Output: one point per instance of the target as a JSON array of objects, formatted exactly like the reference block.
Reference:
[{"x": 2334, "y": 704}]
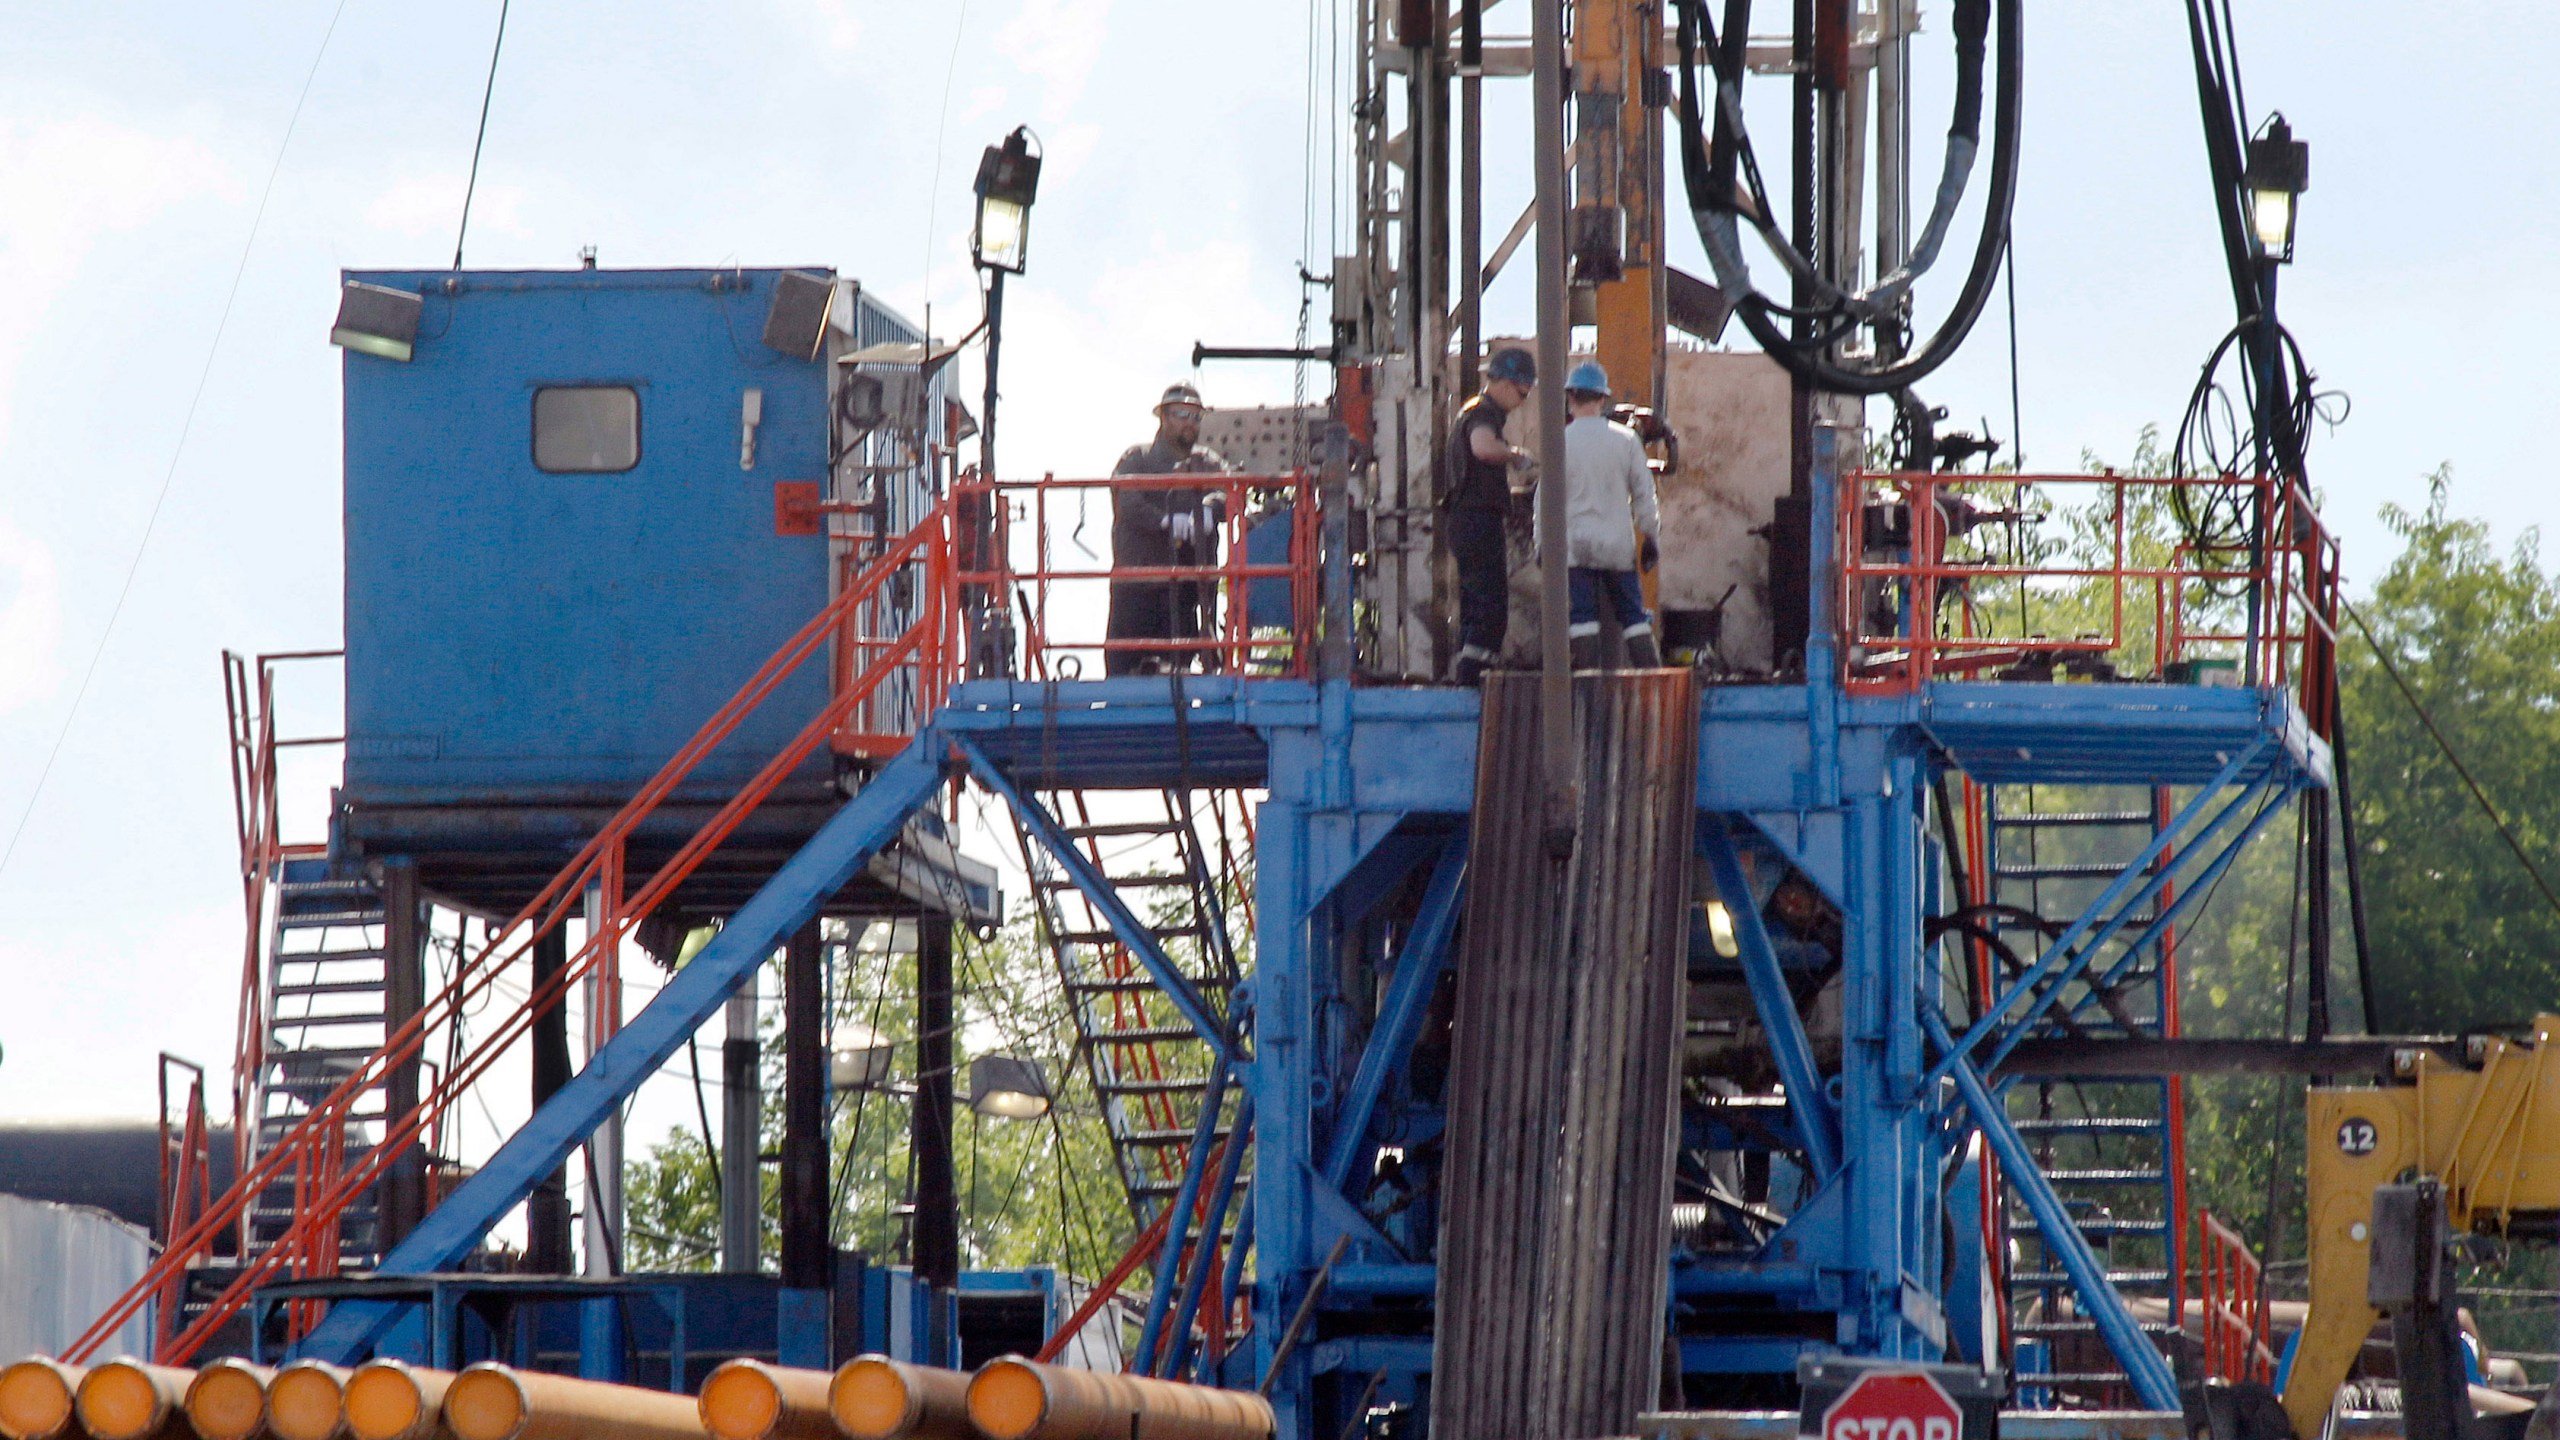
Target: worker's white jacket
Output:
[{"x": 1608, "y": 495}]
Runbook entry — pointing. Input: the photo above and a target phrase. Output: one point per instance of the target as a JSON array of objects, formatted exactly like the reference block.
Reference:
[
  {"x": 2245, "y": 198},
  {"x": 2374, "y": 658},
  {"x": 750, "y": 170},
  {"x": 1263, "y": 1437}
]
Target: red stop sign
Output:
[{"x": 1893, "y": 1405}]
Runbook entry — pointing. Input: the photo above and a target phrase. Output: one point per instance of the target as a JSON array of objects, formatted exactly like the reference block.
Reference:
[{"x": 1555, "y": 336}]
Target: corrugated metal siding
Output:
[
  {"x": 1556, "y": 1201},
  {"x": 60, "y": 1268}
]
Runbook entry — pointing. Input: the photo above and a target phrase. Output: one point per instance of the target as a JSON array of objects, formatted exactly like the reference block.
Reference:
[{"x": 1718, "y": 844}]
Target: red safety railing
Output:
[
  {"x": 249, "y": 700},
  {"x": 312, "y": 1152},
  {"x": 1956, "y": 577},
  {"x": 2236, "y": 1344},
  {"x": 1061, "y": 593},
  {"x": 186, "y": 1179}
]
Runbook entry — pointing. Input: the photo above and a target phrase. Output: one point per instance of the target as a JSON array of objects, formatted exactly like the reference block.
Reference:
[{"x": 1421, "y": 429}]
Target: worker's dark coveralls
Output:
[
  {"x": 1478, "y": 499},
  {"x": 1142, "y": 525}
]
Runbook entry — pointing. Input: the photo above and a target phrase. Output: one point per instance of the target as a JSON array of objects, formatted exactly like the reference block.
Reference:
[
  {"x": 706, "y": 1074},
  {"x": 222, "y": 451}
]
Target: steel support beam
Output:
[
  {"x": 1098, "y": 888},
  {"x": 2376, "y": 1055},
  {"x": 1204, "y": 1141},
  {"x": 1788, "y": 1044},
  {"x": 1426, "y": 953},
  {"x": 2144, "y": 1366},
  {"x": 867, "y": 823},
  {"x": 2063, "y": 951}
]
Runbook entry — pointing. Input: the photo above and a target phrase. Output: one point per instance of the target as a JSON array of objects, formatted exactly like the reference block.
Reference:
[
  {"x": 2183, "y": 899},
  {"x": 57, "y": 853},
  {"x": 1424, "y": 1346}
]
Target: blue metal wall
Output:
[{"x": 521, "y": 635}]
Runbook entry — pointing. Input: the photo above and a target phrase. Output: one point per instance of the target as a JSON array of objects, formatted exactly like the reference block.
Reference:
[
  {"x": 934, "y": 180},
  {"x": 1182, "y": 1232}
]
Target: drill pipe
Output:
[
  {"x": 394, "y": 1400},
  {"x": 129, "y": 1400},
  {"x": 35, "y": 1399},
  {"x": 1014, "y": 1399},
  {"x": 228, "y": 1399},
  {"x": 876, "y": 1398},
  {"x": 493, "y": 1402},
  {"x": 750, "y": 1400},
  {"x": 306, "y": 1400}
]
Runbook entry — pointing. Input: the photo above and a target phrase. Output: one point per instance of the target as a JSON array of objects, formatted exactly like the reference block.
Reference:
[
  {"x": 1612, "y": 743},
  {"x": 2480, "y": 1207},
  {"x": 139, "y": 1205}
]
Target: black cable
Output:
[
  {"x": 702, "y": 1108},
  {"x": 2017, "y": 420},
  {"x": 2356, "y": 920},
  {"x": 2446, "y": 746},
  {"x": 1708, "y": 174},
  {"x": 482, "y": 138}
]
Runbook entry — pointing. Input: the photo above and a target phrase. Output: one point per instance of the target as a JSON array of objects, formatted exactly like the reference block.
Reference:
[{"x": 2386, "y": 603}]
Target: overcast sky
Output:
[{"x": 137, "y": 141}]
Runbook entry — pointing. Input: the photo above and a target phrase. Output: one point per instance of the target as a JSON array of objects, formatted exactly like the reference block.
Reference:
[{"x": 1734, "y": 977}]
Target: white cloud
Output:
[
  {"x": 833, "y": 23},
  {"x": 1057, "y": 42},
  {"x": 30, "y": 620},
  {"x": 431, "y": 204},
  {"x": 72, "y": 179}
]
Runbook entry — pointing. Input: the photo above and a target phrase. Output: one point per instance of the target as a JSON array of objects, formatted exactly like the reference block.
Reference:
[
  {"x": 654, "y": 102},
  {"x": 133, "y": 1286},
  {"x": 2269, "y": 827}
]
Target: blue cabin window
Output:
[{"x": 586, "y": 429}]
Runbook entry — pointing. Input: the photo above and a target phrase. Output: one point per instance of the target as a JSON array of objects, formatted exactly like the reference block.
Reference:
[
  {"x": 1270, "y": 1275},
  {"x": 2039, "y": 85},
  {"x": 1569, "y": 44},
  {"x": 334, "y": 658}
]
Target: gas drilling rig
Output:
[{"x": 1790, "y": 1033}]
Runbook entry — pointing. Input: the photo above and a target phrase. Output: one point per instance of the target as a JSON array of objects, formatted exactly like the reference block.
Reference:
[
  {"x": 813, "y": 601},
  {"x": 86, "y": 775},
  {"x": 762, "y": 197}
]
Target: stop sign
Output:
[{"x": 1893, "y": 1405}]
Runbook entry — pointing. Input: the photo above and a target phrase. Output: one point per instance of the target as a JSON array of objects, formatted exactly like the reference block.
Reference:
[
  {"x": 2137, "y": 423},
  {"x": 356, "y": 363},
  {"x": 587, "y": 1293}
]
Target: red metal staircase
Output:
[{"x": 311, "y": 1157}]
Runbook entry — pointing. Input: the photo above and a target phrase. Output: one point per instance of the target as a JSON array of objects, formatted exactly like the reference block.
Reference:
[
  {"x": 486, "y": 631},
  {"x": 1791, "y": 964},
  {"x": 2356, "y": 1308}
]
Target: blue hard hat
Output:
[
  {"x": 1588, "y": 379},
  {"x": 1514, "y": 364}
]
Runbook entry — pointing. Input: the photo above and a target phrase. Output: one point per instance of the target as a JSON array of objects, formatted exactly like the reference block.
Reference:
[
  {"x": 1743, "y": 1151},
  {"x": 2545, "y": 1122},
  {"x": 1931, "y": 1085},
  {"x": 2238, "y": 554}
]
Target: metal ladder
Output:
[
  {"x": 1147, "y": 1067},
  {"x": 2113, "y": 1147},
  {"x": 326, "y": 1000}
]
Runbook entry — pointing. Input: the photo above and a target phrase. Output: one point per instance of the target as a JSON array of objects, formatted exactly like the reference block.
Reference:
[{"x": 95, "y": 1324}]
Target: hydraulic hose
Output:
[{"x": 1710, "y": 172}]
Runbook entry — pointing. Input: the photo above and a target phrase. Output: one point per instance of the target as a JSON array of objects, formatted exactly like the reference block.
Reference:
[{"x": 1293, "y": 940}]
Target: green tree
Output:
[
  {"x": 1038, "y": 1191},
  {"x": 2462, "y": 935}
]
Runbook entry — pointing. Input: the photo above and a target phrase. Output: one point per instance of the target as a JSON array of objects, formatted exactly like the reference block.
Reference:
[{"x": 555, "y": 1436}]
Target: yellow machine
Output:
[{"x": 2490, "y": 1137}]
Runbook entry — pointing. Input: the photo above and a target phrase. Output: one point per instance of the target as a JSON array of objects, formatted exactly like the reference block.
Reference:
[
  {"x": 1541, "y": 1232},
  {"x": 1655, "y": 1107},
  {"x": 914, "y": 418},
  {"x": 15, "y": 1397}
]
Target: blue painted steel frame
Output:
[
  {"x": 683, "y": 1005},
  {"x": 1363, "y": 786}
]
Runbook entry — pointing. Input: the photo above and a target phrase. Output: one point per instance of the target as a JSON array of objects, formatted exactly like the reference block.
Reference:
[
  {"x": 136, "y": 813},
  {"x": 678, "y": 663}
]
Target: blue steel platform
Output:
[
  {"x": 1414, "y": 749},
  {"x": 1360, "y": 853}
]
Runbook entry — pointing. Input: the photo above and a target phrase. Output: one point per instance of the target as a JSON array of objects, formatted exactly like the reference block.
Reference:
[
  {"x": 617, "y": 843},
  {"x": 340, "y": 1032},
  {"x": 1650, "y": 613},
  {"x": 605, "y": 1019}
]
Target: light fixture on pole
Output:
[
  {"x": 1008, "y": 1087},
  {"x": 1008, "y": 181},
  {"x": 859, "y": 1058},
  {"x": 2279, "y": 170}
]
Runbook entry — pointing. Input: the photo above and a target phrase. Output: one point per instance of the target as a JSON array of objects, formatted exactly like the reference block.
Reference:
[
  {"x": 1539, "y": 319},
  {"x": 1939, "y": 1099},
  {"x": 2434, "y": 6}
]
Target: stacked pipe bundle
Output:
[
  {"x": 1564, "y": 1074},
  {"x": 870, "y": 1398}
]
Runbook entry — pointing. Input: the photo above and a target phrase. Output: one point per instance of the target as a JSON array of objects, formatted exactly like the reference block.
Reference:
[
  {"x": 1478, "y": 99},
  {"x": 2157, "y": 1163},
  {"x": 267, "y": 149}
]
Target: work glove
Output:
[
  {"x": 1526, "y": 464},
  {"x": 1181, "y": 527},
  {"x": 1213, "y": 508},
  {"x": 1648, "y": 553}
]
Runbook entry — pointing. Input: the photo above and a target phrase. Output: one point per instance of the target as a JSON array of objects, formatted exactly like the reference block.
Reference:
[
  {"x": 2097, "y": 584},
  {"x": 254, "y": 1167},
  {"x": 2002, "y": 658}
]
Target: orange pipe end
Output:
[{"x": 36, "y": 1398}]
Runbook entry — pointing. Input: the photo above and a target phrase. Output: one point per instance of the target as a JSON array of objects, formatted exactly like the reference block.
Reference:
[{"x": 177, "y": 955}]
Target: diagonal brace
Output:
[
  {"x": 2144, "y": 1366},
  {"x": 1105, "y": 897},
  {"x": 870, "y": 821},
  {"x": 1778, "y": 1017},
  {"x": 1426, "y": 952},
  {"x": 2149, "y": 892},
  {"x": 2176, "y": 911},
  {"x": 2032, "y": 985},
  {"x": 1177, "y": 1232}
]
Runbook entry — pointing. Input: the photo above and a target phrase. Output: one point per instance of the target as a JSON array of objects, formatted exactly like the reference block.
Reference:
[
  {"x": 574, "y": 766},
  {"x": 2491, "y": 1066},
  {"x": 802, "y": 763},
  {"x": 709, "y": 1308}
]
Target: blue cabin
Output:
[{"x": 581, "y": 510}]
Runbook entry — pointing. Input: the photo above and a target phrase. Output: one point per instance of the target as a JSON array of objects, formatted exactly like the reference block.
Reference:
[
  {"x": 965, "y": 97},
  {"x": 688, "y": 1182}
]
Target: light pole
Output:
[{"x": 999, "y": 245}]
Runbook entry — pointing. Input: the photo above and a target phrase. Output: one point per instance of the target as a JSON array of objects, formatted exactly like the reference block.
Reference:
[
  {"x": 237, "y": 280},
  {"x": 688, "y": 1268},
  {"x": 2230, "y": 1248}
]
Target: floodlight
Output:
[
  {"x": 377, "y": 320},
  {"x": 858, "y": 1058},
  {"x": 2279, "y": 170},
  {"x": 1008, "y": 1087},
  {"x": 1008, "y": 181}
]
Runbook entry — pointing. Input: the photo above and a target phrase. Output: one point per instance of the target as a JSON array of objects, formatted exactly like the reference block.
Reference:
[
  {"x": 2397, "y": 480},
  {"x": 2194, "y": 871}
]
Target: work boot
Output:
[
  {"x": 1468, "y": 671},
  {"x": 1642, "y": 654},
  {"x": 1585, "y": 651}
]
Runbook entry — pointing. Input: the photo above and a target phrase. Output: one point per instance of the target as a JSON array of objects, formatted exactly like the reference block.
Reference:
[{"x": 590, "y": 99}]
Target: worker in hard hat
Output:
[
  {"x": 1175, "y": 526},
  {"x": 1612, "y": 525},
  {"x": 1475, "y": 493}
]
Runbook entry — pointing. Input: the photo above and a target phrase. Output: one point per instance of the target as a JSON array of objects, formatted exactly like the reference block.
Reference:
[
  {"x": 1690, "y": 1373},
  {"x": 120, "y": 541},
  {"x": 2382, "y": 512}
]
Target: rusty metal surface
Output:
[{"x": 1556, "y": 1200}]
